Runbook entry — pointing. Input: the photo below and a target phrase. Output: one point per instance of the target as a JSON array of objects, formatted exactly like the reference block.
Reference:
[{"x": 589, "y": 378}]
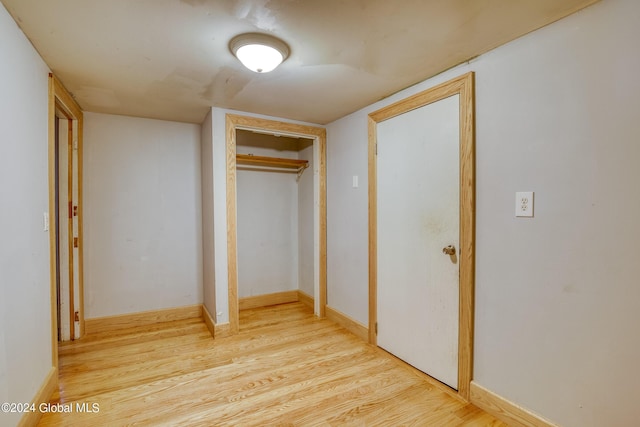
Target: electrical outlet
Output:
[{"x": 524, "y": 203}]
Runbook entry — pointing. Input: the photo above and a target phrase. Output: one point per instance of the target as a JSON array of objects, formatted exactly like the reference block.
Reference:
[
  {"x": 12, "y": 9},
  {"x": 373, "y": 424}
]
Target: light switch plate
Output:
[
  {"x": 524, "y": 203},
  {"x": 355, "y": 181}
]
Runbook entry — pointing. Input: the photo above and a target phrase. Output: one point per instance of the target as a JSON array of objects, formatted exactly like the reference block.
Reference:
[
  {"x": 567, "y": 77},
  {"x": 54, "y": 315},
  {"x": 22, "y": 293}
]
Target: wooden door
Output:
[{"x": 418, "y": 216}]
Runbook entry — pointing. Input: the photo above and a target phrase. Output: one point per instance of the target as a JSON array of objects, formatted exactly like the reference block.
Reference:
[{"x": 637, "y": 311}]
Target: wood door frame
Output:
[
  {"x": 464, "y": 87},
  {"x": 61, "y": 100},
  {"x": 236, "y": 122}
]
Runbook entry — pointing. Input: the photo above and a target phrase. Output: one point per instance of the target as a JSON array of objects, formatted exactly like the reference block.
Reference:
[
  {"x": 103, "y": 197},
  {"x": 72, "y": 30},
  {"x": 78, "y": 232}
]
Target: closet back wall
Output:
[
  {"x": 143, "y": 228},
  {"x": 267, "y": 226}
]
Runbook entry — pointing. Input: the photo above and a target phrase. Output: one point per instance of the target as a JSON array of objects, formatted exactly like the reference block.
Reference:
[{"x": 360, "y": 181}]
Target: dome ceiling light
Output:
[{"x": 258, "y": 52}]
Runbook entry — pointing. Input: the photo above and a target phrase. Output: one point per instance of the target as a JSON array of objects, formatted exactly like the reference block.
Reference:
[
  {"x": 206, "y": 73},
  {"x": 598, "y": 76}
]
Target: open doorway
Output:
[
  {"x": 311, "y": 148},
  {"x": 275, "y": 219},
  {"x": 65, "y": 208},
  {"x": 66, "y": 226}
]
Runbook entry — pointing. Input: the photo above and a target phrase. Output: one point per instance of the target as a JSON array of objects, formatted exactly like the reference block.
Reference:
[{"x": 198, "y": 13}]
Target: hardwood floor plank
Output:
[{"x": 285, "y": 367}]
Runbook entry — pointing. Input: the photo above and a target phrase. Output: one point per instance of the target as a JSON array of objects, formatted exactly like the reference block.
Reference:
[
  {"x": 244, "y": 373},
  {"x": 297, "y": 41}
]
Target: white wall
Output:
[
  {"x": 219, "y": 196},
  {"x": 143, "y": 225},
  {"x": 306, "y": 225},
  {"x": 208, "y": 252},
  {"x": 25, "y": 311},
  {"x": 556, "y": 295},
  {"x": 347, "y": 217},
  {"x": 267, "y": 227}
]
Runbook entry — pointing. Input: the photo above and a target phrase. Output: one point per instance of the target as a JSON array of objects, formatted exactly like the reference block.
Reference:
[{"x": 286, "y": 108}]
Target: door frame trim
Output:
[
  {"x": 61, "y": 99},
  {"x": 233, "y": 123},
  {"x": 464, "y": 87}
]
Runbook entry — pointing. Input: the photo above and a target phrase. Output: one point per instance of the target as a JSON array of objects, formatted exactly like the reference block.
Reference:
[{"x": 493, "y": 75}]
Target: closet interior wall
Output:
[{"x": 275, "y": 218}]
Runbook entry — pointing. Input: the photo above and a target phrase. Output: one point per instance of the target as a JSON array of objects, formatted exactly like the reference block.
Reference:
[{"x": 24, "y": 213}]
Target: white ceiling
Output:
[{"x": 169, "y": 59}]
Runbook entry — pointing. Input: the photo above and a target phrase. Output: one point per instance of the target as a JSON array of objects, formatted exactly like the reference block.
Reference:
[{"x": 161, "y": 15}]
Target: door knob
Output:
[{"x": 449, "y": 250}]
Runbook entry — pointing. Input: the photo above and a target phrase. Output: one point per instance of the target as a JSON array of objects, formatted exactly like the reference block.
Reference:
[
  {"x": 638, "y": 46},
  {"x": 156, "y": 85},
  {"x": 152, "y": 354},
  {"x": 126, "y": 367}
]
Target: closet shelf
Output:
[{"x": 272, "y": 162}]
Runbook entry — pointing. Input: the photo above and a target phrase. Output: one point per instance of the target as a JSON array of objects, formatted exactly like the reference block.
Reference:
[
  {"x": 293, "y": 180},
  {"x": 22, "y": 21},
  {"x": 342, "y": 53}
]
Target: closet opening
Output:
[
  {"x": 276, "y": 215},
  {"x": 275, "y": 212}
]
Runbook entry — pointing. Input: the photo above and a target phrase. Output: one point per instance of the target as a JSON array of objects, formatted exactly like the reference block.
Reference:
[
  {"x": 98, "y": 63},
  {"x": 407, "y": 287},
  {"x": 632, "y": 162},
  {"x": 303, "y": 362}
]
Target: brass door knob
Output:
[{"x": 449, "y": 250}]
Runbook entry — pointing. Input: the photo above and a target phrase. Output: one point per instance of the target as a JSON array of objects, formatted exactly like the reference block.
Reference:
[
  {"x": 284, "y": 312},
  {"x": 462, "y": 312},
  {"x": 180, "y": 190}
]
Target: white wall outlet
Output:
[
  {"x": 524, "y": 203},
  {"x": 355, "y": 181}
]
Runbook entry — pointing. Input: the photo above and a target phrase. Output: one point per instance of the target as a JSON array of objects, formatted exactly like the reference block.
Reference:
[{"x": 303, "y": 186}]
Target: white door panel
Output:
[{"x": 418, "y": 215}]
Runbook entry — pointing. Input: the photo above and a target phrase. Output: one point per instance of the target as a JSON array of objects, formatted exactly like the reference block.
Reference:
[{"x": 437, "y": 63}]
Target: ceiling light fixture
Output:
[{"x": 259, "y": 52}]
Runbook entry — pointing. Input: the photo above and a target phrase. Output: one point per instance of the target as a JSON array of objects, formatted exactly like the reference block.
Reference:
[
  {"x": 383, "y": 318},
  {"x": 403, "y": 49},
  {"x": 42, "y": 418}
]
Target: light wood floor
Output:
[{"x": 284, "y": 368}]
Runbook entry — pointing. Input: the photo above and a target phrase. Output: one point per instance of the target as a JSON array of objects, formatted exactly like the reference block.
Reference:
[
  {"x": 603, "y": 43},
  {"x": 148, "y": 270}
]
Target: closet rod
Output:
[{"x": 273, "y": 162}]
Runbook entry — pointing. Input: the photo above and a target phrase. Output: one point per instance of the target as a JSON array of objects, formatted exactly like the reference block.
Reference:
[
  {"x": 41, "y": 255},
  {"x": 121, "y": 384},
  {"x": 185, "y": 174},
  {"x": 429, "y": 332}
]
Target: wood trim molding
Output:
[
  {"x": 112, "y": 323},
  {"x": 232, "y": 235},
  {"x": 80, "y": 204},
  {"x": 353, "y": 326},
  {"x": 373, "y": 231},
  {"x": 319, "y": 134},
  {"x": 464, "y": 87},
  {"x": 65, "y": 100},
  {"x": 60, "y": 99},
  {"x": 208, "y": 320},
  {"x": 70, "y": 233},
  {"x": 505, "y": 410},
  {"x": 49, "y": 385},
  {"x": 53, "y": 269},
  {"x": 426, "y": 97},
  {"x": 322, "y": 212},
  {"x": 222, "y": 330},
  {"x": 306, "y": 299},
  {"x": 268, "y": 299}
]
